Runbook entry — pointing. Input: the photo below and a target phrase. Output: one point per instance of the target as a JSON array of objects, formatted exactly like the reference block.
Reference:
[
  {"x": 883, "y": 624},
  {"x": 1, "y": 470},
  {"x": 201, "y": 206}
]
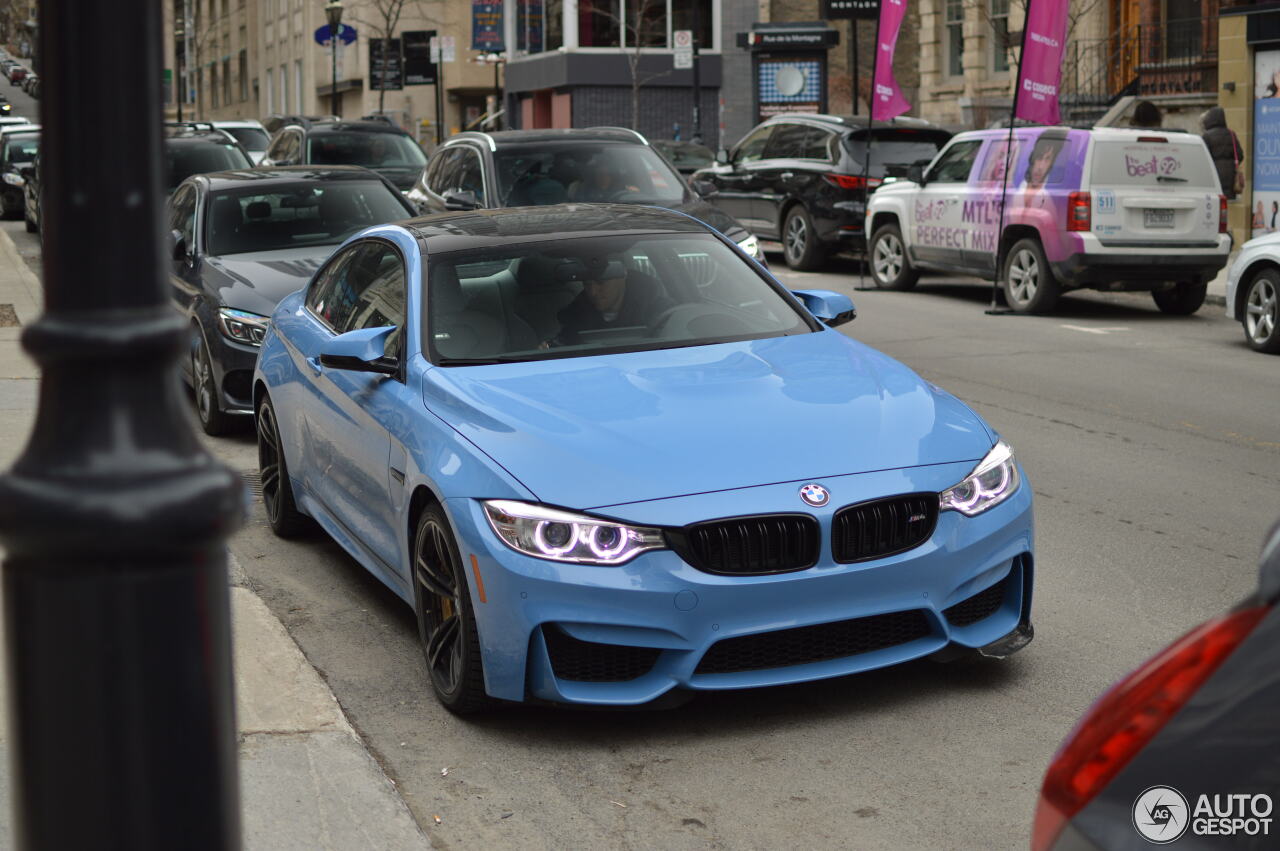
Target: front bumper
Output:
[
  {"x": 233, "y": 365},
  {"x": 645, "y": 628}
]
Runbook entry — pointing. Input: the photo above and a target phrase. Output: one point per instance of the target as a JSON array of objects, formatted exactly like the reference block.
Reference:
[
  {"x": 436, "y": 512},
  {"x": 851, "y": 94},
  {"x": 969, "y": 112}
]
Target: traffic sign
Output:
[
  {"x": 346, "y": 34},
  {"x": 683, "y": 48},
  {"x": 448, "y": 49}
]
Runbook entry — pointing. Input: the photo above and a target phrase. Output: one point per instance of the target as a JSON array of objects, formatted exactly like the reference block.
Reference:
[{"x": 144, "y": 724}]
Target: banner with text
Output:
[
  {"x": 486, "y": 26},
  {"x": 886, "y": 97},
  {"x": 1266, "y": 143},
  {"x": 1040, "y": 71}
]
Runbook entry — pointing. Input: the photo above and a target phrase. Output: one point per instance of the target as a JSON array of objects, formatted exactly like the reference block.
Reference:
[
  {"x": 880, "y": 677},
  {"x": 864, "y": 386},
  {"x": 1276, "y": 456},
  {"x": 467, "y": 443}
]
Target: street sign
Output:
[
  {"x": 419, "y": 68},
  {"x": 386, "y": 68},
  {"x": 346, "y": 35},
  {"x": 866, "y": 10},
  {"x": 683, "y": 40},
  {"x": 448, "y": 49},
  {"x": 435, "y": 50}
]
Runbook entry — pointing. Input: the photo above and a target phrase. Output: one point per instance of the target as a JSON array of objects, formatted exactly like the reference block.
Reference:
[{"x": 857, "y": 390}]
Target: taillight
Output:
[
  {"x": 851, "y": 181},
  {"x": 1129, "y": 715},
  {"x": 1079, "y": 211},
  {"x": 1222, "y": 214},
  {"x": 1152, "y": 139}
]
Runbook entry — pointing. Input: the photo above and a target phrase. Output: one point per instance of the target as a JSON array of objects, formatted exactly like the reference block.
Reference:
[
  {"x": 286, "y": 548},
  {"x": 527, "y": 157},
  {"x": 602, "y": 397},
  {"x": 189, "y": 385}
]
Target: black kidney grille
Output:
[
  {"x": 768, "y": 543},
  {"x": 883, "y": 527},
  {"x": 818, "y": 643},
  {"x": 589, "y": 662},
  {"x": 978, "y": 607}
]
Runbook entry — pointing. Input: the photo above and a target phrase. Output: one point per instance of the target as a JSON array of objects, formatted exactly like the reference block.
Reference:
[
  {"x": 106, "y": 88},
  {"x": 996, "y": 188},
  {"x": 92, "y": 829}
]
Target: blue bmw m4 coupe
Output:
[{"x": 605, "y": 456}]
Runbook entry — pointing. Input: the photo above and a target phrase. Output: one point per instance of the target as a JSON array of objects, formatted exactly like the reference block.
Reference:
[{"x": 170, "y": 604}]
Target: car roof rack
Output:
[
  {"x": 635, "y": 133},
  {"x": 377, "y": 116}
]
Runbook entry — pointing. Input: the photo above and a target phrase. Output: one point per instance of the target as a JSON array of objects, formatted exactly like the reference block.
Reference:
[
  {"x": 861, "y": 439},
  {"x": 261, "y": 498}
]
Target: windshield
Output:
[
  {"x": 371, "y": 150},
  {"x": 1129, "y": 163},
  {"x": 22, "y": 149},
  {"x": 251, "y": 138},
  {"x": 892, "y": 156},
  {"x": 184, "y": 160},
  {"x": 576, "y": 297},
  {"x": 685, "y": 154},
  {"x": 552, "y": 174},
  {"x": 292, "y": 216}
]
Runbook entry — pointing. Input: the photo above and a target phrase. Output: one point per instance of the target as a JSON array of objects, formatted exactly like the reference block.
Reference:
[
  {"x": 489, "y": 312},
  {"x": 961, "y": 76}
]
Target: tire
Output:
[
  {"x": 1182, "y": 299},
  {"x": 1029, "y": 284},
  {"x": 800, "y": 245},
  {"x": 273, "y": 472},
  {"x": 209, "y": 413},
  {"x": 26, "y": 220},
  {"x": 890, "y": 267},
  {"x": 1261, "y": 315},
  {"x": 446, "y": 621}
]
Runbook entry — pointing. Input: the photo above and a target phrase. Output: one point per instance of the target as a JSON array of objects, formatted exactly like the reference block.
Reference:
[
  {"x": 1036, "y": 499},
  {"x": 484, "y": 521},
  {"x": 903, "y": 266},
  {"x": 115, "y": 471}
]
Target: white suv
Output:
[{"x": 1109, "y": 208}]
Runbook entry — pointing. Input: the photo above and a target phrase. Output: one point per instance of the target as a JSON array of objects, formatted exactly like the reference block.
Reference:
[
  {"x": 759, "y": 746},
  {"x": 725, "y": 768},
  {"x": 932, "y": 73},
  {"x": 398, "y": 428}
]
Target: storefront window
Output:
[
  {"x": 599, "y": 23},
  {"x": 539, "y": 25},
  {"x": 682, "y": 19}
]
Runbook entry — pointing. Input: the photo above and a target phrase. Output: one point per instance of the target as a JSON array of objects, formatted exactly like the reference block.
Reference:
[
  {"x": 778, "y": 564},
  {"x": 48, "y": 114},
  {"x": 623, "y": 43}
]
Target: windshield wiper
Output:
[
  {"x": 480, "y": 361},
  {"x": 1164, "y": 178}
]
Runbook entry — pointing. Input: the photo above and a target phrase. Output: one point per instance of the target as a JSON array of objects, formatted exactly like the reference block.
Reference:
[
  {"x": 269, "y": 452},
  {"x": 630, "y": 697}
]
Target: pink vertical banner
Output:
[
  {"x": 1043, "y": 45},
  {"x": 886, "y": 98}
]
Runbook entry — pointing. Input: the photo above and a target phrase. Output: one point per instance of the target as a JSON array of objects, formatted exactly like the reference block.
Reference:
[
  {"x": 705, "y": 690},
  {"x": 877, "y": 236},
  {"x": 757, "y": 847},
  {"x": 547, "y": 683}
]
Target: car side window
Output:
[
  {"x": 292, "y": 148},
  {"x": 954, "y": 164},
  {"x": 787, "y": 142},
  {"x": 434, "y": 170},
  {"x": 377, "y": 280},
  {"x": 277, "y": 147},
  {"x": 182, "y": 217},
  {"x": 329, "y": 291},
  {"x": 819, "y": 144},
  {"x": 468, "y": 177},
  {"x": 447, "y": 177},
  {"x": 751, "y": 148}
]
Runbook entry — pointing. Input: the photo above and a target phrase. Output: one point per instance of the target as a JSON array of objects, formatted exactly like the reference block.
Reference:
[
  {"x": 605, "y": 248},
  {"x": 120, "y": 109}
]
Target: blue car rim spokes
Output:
[
  {"x": 435, "y": 571},
  {"x": 269, "y": 460}
]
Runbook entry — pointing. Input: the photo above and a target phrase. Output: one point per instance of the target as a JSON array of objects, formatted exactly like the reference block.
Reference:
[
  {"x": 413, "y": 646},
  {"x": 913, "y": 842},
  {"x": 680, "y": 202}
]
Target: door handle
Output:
[{"x": 314, "y": 363}]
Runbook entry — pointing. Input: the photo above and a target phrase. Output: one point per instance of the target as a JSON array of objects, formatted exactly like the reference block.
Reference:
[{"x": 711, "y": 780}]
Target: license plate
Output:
[{"x": 1157, "y": 218}]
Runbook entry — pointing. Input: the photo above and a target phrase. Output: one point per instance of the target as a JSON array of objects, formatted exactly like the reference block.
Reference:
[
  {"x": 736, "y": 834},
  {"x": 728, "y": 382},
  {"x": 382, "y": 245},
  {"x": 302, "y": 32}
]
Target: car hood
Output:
[
  {"x": 402, "y": 178},
  {"x": 713, "y": 216},
  {"x": 597, "y": 431},
  {"x": 257, "y": 282}
]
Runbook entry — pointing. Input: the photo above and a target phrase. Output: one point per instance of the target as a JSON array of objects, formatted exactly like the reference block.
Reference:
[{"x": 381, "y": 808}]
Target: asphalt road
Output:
[{"x": 1153, "y": 447}]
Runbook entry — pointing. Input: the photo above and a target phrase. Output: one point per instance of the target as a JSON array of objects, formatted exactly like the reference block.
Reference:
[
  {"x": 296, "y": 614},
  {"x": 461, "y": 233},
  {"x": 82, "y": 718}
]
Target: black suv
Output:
[
  {"x": 197, "y": 148},
  {"x": 802, "y": 180},
  {"x": 373, "y": 144},
  {"x": 534, "y": 168}
]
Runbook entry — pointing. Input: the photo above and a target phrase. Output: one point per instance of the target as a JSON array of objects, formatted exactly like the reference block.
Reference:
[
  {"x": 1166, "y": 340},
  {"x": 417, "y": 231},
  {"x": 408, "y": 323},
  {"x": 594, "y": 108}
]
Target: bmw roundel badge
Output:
[{"x": 815, "y": 495}]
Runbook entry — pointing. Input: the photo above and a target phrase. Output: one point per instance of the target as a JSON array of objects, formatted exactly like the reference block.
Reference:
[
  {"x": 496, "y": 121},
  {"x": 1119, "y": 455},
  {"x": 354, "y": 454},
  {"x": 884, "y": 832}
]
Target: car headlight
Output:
[
  {"x": 13, "y": 179},
  {"x": 556, "y": 535},
  {"x": 242, "y": 326},
  {"x": 751, "y": 245},
  {"x": 994, "y": 480}
]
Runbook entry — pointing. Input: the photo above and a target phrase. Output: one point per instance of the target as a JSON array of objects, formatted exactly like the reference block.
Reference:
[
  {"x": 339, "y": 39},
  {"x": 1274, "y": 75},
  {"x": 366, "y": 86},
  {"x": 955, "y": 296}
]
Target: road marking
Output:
[{"x": 1088, "y": 330}]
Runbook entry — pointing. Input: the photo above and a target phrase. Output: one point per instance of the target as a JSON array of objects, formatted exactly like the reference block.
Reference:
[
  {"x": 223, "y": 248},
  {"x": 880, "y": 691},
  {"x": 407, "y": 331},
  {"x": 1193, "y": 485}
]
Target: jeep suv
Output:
[
  {"x": 1110, "y": 208},
  {"x": 803, "y": 180}
]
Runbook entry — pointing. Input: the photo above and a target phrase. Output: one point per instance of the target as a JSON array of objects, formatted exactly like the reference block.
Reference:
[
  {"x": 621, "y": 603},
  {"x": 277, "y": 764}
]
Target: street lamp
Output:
[
  {"x": 180, "y": 86},
  {"x": 333, "y": 11}
]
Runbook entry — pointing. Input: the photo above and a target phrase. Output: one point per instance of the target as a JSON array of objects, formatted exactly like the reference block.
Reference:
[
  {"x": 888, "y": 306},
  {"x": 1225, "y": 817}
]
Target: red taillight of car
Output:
[
  {"x": 1222, "y": 214},
  {"x": 1129, "y": 715},
  {"x": 1079, "y": 211},
  {"x": 852, "y": 181}
]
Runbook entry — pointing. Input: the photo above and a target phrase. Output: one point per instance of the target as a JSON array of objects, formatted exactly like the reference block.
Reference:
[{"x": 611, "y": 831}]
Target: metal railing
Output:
[{"x": 1178, "y": 57}]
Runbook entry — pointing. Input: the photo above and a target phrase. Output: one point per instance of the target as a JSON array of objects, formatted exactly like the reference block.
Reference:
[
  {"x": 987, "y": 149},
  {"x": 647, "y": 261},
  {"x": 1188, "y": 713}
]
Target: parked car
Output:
[
  {"x": 803, "y": 180},
  {"x": 251, "y": 135},
  {"x": 241, "y": 241},
  {"x": 1253, "y": 292},
  {"x": 6, "y": 108},
  {"x": 17, "y": 73},
  {"x": 31, "y": 196},
  {"x": 19, "y": 145},
  {"x": 608, "y": 515},
  {"x": 685, "y": 157},
  {"x": 377, "y": 145},
  {"x": 1110, "y": 208},
  {"x": 196, "y": 148},
  {"x": 518, "y": 168},
  {"x": 29, "y": 80},
  {"x": 1195, "y": 724}
]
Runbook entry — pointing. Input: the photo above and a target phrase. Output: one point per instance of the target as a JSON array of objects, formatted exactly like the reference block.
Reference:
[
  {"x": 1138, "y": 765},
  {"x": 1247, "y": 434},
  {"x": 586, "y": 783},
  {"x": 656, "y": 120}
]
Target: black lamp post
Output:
[
  {"x": 180, "y": 88},
  {"x": 333, "y": 11},
  {"x": 114, "y": 518}
]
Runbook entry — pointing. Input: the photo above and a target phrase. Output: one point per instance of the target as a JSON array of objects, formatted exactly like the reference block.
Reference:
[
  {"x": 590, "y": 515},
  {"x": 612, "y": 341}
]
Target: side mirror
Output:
[
  {"x": 703, "y": 187},
  {"x": 177, "y": 245},
  {"x": 460, "y": 199},
  {"x": 360, "y": 351},
  {"x": 722, "y": 155},
  {"x": 831, "y": 308},
  {"x": 915, "y": 173}
]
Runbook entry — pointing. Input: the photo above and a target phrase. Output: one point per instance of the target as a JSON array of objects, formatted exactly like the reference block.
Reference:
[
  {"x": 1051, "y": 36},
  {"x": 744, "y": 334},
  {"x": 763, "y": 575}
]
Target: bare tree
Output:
[
  {"x": 637, "y": 20},
  {"x": 203, "y": 39},
  {"x": 382, "y": 19}
]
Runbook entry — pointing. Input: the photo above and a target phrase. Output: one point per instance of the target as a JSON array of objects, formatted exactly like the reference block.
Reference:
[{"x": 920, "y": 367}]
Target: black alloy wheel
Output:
[
  {"x": 446, "y": 621},
  {"x": 800, "y": 244},
  {"x": 212, "y": 419},
  {"x": 273, "y": 473},
  {"x": 1182, "y": 299}
]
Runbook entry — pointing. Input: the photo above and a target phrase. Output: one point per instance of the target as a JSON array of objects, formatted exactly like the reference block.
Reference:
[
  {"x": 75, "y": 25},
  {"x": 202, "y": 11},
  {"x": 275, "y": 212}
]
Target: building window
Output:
[
  {"x": 955, "y": 37},
  {"x": 284, "y": 88},
  {"x": 226, "y": 81},
  {"x": 297, "y": 84},
  {"x": 682, "y": 19},
  {"x": 271, "y": 89},
  {"x": 598, "y": 23},
  {"x": 1000, "y": 36},
  {"x": 1184, "y": 29},
  {"x": 640, "y": 23},
  {"x": 213, "y": 84},
  {"x": 539, "y": 25},
  {"x": 243, "y": 69}
]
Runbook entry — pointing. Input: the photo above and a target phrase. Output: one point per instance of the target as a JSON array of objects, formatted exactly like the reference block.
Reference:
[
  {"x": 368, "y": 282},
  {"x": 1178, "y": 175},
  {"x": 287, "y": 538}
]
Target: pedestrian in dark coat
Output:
[{"x": 1224, "y": 147}]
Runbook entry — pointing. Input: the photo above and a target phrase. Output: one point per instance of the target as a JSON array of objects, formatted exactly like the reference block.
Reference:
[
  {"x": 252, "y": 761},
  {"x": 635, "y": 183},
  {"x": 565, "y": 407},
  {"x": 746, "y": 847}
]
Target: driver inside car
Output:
[
  {"x": 604, "y": 182},
  {"x": 611, "y": 297}
]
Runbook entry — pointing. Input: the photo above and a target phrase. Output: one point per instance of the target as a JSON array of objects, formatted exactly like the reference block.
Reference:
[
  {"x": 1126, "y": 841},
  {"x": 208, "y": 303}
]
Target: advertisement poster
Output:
[
  {"x": 1041, "y": 66},
  {"x": 1265, "y": 216},
  {"x": 886, "y": 98},
  {"x": 486, "y": 25},
  {"x": 386, "y": 70},
  {"x": 419, "y": 70},
  {"x": 789, "y": 85}
]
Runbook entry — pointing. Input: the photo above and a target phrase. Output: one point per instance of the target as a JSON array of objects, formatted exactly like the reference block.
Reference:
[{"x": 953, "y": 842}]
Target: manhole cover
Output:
[{"x": 8, "y": 316}]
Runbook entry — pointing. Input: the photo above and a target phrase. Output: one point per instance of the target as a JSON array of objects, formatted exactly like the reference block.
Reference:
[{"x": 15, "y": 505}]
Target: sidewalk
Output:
[{"x": 307, "y": 781}]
